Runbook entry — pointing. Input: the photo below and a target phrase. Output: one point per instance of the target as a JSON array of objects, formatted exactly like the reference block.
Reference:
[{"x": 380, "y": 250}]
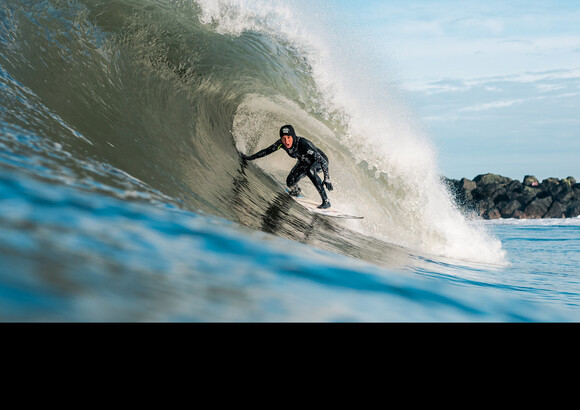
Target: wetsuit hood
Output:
[{"x": 287, "y": 130}]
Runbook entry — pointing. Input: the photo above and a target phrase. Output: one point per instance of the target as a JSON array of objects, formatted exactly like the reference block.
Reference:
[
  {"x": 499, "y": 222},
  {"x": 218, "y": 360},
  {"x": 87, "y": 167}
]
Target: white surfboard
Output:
[{"x": 313, "y": 207}]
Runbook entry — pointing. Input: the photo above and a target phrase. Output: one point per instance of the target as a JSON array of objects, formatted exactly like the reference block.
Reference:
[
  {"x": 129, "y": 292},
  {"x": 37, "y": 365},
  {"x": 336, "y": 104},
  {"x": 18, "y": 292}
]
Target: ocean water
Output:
[{"x": 123, "y": 197}]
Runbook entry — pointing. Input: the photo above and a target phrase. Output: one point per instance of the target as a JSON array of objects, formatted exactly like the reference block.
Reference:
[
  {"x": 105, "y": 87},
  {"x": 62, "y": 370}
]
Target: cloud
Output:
[
  {"x": 492, "y": 105},
  {"x": 541, "y": 105},
  {"x": 544, "y": 81}
]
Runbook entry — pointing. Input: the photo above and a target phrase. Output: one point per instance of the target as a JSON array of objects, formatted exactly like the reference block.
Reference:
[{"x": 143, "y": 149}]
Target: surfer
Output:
[{"x": 311, "y": 161}]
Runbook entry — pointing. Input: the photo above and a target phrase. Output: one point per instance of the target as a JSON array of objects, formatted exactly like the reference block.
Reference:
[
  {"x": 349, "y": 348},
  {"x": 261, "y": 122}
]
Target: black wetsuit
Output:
[{"x": 311, "y": 160}]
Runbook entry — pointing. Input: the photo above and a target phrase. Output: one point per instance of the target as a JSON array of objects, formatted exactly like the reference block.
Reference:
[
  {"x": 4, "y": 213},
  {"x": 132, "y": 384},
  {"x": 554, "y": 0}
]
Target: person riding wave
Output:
[{"x": 311, "y": 161}]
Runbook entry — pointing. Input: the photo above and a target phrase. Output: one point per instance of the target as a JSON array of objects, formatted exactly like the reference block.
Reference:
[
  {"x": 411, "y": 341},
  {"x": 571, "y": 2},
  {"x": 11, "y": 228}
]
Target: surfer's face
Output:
[{"x": 287, "y": 140}]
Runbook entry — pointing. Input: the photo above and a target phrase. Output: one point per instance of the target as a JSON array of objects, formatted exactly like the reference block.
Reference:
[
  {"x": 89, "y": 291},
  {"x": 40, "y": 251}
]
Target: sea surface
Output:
[{"x": 123, "y": 197}]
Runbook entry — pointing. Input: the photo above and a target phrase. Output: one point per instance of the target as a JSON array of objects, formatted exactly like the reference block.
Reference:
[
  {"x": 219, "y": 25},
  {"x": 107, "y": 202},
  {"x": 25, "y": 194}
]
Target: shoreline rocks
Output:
[{"x": 494, "y": 196}]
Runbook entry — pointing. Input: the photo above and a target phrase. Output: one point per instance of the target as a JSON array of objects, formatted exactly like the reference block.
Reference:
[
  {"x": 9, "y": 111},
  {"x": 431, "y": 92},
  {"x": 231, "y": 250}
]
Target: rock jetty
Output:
[{"x": 494, "y": 196}]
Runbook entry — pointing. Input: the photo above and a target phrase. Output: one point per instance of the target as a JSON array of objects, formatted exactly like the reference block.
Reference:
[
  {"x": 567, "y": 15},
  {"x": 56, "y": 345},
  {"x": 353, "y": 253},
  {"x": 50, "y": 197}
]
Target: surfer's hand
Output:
[
  {"x": 328, "y": 184},
  {"x": 245, "y": 157}
]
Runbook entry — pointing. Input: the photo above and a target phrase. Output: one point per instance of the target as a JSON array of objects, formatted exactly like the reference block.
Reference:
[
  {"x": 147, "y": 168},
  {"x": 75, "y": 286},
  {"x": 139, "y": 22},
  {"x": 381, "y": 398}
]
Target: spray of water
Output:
[{"x": 382, "y": 162}]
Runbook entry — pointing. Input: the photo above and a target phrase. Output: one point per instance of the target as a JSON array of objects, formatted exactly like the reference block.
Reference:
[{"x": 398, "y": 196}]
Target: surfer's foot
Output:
[
  {"x": 324, "y": 205},
  {"x": 295, "y": 191}
]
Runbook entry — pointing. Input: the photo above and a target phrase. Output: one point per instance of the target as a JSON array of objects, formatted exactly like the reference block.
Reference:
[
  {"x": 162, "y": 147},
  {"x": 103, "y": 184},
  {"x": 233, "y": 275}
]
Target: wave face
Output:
[{"x": 152, "y": 101}]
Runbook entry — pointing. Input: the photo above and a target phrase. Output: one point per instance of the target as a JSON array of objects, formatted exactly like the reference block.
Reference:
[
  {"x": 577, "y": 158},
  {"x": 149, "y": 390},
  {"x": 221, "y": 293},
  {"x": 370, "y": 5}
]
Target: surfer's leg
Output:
[
  {"x": 297, "y": 173},
  {"x": 317, "y": 182}
]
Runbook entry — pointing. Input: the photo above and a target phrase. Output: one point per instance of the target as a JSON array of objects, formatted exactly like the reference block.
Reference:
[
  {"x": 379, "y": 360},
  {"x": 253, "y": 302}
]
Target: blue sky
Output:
[{"x": 495, "y": 84}]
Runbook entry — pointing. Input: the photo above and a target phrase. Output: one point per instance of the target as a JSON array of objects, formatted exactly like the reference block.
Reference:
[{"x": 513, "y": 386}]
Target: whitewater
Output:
[{"x": 123, "y": 196}]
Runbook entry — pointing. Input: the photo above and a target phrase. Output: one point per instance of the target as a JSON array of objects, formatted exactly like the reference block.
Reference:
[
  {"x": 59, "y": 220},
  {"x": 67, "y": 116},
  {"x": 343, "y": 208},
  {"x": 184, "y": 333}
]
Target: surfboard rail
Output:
[{"x": 313, "y": 207}]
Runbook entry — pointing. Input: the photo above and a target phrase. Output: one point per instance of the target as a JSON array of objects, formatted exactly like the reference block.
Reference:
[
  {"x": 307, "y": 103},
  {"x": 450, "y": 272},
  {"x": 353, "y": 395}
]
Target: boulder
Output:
[
  {"x": 573, "y": 209},
  {"x": 538, "y": 207},
  {"x": 507, "y": 209},
  {"x": 528, "y": 194},
  {"x": 501, "y": 195},
  {"x": 530, "y": 180},
  {"x": 467, "y": 184},
  {"x": 487, "y": 191},
  {"x": 557, "y": 210},
  {"x": 548, "y": 183},
  {"x": 493, "y": 213},
  {"x": 485, "y": 179},
  {"x": 515, "y": 186},
  {"x": 576, "y": 191},
  {"x": 562, "y": 192}
]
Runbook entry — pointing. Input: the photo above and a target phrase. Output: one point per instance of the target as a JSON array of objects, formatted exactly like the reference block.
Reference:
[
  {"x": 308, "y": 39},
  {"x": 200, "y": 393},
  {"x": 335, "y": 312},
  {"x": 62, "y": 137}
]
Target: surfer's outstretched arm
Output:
[{"x": 266, "y": 151}]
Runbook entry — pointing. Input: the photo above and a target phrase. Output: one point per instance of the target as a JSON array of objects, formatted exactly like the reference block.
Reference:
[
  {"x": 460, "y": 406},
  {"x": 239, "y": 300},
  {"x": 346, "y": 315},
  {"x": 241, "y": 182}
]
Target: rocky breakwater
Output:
[{"x": 494, "y": 196}]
